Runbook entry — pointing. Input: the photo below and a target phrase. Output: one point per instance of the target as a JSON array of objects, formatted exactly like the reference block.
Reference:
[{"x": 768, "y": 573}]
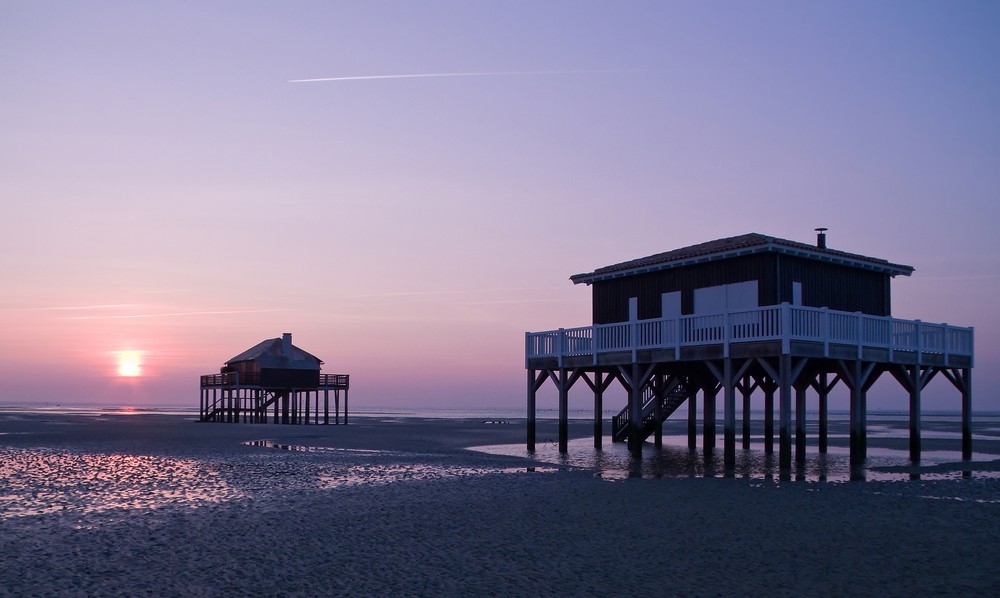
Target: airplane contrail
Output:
[{"x": 424, "y": 75}]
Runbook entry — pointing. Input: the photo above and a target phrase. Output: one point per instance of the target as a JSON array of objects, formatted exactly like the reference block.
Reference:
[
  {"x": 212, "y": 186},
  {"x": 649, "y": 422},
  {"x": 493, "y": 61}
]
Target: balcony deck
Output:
[
  {"x": 765, "y": 331},
  {"x": 234, "y": 380}
]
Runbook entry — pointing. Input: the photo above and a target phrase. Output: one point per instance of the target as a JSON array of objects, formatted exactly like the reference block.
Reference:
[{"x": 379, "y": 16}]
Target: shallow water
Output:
[
  {"x": 675, "y": 459},
  {"x": 40, "y": 480}
]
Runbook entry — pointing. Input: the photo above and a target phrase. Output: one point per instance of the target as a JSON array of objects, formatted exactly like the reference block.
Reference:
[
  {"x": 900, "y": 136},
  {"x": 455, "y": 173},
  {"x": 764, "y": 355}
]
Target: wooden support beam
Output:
[
  {"x": 729, "y": 415},
  {"x": 564, "y": 385},
  {"x": 769, "y": 386},
  {"x": 729, "y": 377},
  {"x": 784, "y": 380},
  {"x": 967, "y": 414},
  {"x": 746, "y": 390},
  {"x": 823, "y": 388},
  {"x": 710, "y": 391},
  {"x": 635, "y": 412},
  {"x": 659, "y": 386},
  {"x": 693, "y": 419},
  {"x": 598, "y": 385},
  {"x": 800, "y": 423},
  {"x": 856, "y": 375},
  {"x": 532, "y": 390}
]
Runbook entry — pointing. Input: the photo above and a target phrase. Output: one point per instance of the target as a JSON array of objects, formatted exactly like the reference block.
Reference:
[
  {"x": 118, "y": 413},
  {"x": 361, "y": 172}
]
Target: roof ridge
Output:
[{"x": 725, "y": 245}]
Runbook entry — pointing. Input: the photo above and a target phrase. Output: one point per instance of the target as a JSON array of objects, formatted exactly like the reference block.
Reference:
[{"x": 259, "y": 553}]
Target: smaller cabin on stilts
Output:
[{"x": 275, "y": 379}]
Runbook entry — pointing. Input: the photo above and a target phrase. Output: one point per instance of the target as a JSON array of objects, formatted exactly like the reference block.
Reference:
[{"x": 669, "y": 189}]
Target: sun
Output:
[{"x": 129, "y": 364}]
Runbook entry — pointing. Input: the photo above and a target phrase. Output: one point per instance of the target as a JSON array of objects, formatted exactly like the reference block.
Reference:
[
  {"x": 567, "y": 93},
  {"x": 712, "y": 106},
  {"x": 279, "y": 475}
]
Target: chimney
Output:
[
  {"x": 821, "y": 237},
  {"x": 286, "y": 343}
]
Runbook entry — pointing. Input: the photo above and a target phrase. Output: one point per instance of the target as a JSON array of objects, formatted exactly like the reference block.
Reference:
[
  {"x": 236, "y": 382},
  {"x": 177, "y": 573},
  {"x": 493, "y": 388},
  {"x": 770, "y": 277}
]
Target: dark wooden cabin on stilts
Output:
[
  {"x": 744, "y": 315},
  {"x": 273, "y": 380}
]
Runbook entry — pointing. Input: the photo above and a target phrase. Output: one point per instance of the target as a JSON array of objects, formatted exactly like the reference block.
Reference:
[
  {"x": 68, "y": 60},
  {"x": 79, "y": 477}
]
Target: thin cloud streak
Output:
[
  {"x": 73, "y": 307},
  {"x": 450, "y": 292},
  {"x": 175, "y": 314},
  {"x": 426, "y": 75}
]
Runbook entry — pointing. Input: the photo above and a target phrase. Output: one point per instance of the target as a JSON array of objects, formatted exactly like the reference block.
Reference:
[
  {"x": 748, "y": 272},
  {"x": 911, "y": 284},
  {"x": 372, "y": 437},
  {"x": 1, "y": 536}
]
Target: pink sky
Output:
[{"x": 165, "y": 189}]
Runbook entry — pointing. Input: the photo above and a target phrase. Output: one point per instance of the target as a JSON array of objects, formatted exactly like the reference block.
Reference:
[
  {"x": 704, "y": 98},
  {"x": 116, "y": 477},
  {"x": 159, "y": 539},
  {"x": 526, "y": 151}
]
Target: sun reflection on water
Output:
[{"x": 42, "y": 481}]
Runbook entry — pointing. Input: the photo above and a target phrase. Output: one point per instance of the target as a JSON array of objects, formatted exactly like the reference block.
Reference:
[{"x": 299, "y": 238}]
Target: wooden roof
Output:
[
  {"x": 271, "y": 354},
  {"x": 737, "y": 246}
]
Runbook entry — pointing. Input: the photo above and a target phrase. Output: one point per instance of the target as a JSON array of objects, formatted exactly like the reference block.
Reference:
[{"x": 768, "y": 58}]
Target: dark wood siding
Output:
[
  {"x": 252, "y": 373},
  {"x": 837, "y": 287},
  {"x": 611, "y": 296},
  {"x": 823, "y": 285},
  {"x": 288, "y": 378}
]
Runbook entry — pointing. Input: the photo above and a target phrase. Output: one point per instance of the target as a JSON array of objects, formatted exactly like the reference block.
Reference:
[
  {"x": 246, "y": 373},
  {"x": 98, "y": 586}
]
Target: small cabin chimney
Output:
[
  {"x": 286, "y": 343},
  {"x": 821, "y": 237}
]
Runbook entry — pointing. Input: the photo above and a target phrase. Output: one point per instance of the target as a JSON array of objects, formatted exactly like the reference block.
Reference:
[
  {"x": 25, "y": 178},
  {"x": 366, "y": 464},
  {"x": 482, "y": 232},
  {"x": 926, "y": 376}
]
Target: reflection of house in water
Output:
[
  {"x": 273, "y": 376},
  {"x": 741, "y": 315}
]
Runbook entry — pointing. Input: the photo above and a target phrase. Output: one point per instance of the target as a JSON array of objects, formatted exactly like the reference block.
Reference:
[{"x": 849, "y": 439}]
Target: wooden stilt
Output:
[
  {"x": 800, "y": 423},
  {"x": 858, "y": 376},
  {"x": 785, "y": 412},
  {"x": 563, "y": 411},
  {"x": 692, "y": 404},
  {"x": 535, "y": 381},
  {"x": 966, "y": 414},
  {"x": 746, "y": 390},
  {"x": 658, "y": 411},
  {"x": 824, "y": 396},
  {"x": 916, "y": 387},
  {"x": 635, "y": 413},
  {"x": 598, "y": 409},
  {"x": 708, "y": 428},
  {"x": 769, "y": 390},
  {"x": 729, "y": 415}
]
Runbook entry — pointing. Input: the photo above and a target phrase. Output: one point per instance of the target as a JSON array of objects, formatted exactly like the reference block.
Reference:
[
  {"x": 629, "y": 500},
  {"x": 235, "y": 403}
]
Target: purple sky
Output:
[{"x": 165, "y": 189}]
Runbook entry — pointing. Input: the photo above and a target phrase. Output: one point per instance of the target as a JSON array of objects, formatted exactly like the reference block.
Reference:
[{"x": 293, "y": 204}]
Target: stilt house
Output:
[
  {"x": 740, "y": 315},
  {"x": 273, "y": 374}
]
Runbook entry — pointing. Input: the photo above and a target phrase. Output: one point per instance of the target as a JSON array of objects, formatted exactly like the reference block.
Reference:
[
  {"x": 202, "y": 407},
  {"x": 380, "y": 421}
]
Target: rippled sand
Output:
[{"x": 161, "y": 505}]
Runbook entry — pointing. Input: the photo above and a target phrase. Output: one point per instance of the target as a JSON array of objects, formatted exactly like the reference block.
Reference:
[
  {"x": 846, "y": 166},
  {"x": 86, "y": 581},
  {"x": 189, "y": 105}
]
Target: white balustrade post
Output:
[
  {"x": 527, "y": 348},
  {"x": 560, "y": 337},
  {"x": 824, "y": 329},
  {"x": 678, "y": 331},
  {"x": 726, "y": 334},
  {"x": 972, "y": 347},
  {"x": 786, "y": 328},
  {"x": 633, "y": 334},
  {"x": 664, "y": 332},
  {"x": 920, "y": 340},
  {"x": 593, "y": 341},
  {"x": 892, "y": 337},
  {"x": 945, "y": 342},
  {"x": 860, "y": 323}
]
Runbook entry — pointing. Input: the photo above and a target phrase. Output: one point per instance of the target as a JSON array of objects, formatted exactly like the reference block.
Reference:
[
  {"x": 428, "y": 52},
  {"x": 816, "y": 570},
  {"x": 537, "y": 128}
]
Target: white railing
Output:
[{"x": 783, "y": 322}]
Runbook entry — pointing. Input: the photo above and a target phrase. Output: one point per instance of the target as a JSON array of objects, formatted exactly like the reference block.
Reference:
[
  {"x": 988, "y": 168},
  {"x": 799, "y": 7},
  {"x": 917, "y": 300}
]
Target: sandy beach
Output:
[{"x": 162, "y": 505}]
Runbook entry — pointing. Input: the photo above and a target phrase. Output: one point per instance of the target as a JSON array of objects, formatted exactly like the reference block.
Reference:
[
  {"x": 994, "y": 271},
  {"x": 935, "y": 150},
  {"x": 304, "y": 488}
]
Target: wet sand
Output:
[{"x": 161, "y": 505}]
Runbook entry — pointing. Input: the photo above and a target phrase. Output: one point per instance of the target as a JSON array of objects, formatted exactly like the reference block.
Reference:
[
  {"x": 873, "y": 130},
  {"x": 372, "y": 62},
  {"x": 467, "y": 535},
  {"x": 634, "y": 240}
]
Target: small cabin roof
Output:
[
  {"x": 271, "y": 353},
  {"x": 737, "y": 246}
]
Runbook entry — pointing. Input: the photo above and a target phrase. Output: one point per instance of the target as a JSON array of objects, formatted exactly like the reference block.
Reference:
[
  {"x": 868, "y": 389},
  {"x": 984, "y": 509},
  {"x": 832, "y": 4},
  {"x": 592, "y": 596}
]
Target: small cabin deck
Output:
[{"x": 232, "y": 397}]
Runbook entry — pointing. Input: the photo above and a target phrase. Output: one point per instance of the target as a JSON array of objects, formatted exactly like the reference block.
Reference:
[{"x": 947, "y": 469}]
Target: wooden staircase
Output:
[{"x": 669, "y": 403}]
